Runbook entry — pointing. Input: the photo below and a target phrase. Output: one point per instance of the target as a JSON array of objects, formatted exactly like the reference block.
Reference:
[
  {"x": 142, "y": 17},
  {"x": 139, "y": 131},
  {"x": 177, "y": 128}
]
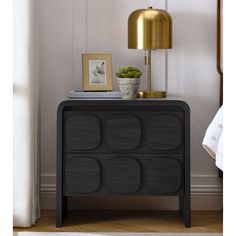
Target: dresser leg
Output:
[
  {"x": 184, "y": 208},
  {"x": 61, "y": 211}
]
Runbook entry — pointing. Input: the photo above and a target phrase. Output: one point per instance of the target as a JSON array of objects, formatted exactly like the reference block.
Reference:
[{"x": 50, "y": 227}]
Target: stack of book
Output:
[{"x": 105, "y": 94}]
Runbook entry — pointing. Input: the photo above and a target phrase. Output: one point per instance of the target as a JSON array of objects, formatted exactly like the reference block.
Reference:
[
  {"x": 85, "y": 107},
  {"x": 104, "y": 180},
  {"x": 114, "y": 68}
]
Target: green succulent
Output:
[{"x": 128, "y": 72}]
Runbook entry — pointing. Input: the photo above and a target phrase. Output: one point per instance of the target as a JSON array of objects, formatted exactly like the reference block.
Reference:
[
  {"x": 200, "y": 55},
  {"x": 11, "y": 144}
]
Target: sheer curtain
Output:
[{"x": 26, "y": 168}]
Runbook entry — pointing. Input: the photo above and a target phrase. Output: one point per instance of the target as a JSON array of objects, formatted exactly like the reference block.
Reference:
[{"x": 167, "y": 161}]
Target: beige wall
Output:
[{"x": 68, "y": 28}]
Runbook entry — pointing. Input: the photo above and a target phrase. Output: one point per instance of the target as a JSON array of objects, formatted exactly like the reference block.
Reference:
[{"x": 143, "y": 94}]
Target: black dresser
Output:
[{"x": 128, "y": 148}]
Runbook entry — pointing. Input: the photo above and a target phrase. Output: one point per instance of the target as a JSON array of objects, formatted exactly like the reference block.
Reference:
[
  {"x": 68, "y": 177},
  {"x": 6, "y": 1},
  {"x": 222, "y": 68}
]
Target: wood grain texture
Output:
[
  {"x": 123, "y": 175},
  {"x": 164, "y": 175},
  {"x": 219, "y": 48},
  {"x": 123, "y": 132},
  {"x": 129, "y": 221},
  {"x": 120, "y": 174},
  {"x": 82, "y": 175},
  {"x": 219, "y": 57},
  {"x": 82, "y": 132},
  {"x": 164, "y": 132}
]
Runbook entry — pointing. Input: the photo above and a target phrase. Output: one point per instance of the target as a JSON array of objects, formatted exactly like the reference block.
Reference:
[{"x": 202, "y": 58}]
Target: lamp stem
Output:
[{"x": 149, "y": 71}]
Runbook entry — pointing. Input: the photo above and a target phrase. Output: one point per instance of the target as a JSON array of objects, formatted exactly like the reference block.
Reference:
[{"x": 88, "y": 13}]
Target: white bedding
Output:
[{"x": 213, "y": 139}]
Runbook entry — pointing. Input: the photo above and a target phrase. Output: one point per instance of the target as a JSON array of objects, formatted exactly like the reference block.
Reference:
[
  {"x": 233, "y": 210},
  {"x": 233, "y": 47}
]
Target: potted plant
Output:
[{"x": 129, "y": 80}]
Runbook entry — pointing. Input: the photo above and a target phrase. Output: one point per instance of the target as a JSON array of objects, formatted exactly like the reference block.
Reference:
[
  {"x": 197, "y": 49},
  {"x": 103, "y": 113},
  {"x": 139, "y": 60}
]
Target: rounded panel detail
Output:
[
  {"x": 164, "y": 132},
  {"x": 82, "y": 132},
  {"x": 163, "y": 175},
  {"x": 123, "y": 133},
  {"x": 82, "y": 175},
  {"x": 123, "y": 175}
]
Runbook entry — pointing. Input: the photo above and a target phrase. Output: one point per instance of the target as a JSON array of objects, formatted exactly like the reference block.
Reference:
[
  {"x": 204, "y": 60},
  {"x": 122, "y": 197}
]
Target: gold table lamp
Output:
[{"x": 150, "y": 29}]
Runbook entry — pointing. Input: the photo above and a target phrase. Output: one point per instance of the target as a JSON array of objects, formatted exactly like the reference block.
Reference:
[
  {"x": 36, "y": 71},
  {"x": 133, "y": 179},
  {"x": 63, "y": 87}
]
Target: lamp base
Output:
[{"x": 151, "y": 94}]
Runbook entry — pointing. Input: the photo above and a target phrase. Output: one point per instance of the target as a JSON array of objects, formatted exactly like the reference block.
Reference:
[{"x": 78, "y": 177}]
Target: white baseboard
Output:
[{"x": 206, "y": 194}]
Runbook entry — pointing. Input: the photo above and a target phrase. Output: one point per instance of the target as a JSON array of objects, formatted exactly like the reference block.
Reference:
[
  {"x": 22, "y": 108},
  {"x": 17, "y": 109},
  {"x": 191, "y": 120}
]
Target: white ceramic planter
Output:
[{"x": 128, "y": 87}]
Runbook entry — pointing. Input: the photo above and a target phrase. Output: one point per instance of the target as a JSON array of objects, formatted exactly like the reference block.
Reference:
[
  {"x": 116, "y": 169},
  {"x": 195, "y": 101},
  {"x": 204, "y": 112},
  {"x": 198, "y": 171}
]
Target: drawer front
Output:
[
  {"x": 128, "y": 174},
  {"x": 122, "y": 132}
]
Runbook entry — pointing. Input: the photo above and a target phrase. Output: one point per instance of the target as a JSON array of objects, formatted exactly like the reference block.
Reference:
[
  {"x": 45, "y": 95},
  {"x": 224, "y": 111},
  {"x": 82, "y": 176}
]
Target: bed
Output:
[{"x": 213, "y": 139}]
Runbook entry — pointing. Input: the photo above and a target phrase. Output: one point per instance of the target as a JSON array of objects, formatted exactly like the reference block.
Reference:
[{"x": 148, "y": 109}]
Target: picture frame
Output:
[{"x": 97, "y": 72}]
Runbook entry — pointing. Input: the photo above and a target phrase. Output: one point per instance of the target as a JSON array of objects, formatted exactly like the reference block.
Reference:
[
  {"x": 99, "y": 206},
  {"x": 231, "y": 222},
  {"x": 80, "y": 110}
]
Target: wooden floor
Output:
[{"x": 128, "y": 221}]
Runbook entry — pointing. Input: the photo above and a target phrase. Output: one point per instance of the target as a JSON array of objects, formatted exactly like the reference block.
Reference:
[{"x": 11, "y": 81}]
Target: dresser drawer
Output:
[
  {"x": 109, "y": 132},
  {"x": 127, "y": 174}
]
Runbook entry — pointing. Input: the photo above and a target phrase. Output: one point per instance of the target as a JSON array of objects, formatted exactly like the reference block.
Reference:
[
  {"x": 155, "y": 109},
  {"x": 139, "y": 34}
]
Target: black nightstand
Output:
[{"x": 114, "y": 147}]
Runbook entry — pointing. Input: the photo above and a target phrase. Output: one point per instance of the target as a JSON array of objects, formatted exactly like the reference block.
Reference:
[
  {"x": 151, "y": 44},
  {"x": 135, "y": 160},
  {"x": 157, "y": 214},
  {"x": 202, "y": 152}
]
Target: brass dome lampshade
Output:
[{"x": 150, "y": 29}]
